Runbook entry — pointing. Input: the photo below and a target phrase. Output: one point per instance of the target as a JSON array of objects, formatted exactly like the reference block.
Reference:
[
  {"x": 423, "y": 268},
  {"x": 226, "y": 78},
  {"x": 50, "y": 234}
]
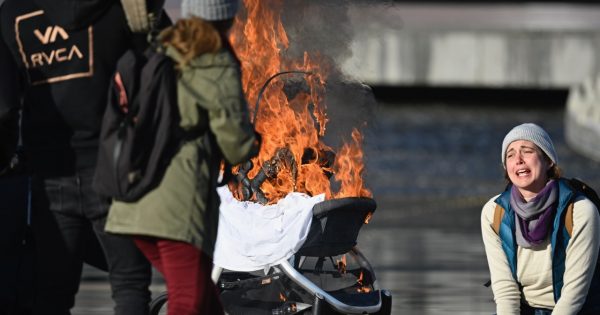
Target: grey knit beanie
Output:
[
  {"x": 530, "y": 132},
  {"x": 210, "y": 10}
]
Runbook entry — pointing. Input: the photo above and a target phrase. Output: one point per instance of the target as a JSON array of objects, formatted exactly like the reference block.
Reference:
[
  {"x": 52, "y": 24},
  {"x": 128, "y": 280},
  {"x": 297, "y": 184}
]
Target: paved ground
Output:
[{"x": 431, "y": 167}]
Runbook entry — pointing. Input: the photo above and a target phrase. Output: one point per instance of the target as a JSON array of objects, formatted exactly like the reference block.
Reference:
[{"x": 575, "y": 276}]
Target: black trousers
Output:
[{"x": 68, "y": 216}]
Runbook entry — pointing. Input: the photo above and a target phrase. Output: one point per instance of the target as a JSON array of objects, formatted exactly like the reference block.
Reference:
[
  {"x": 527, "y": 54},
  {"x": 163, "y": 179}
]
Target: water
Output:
[{"x": 431, "y": 167}]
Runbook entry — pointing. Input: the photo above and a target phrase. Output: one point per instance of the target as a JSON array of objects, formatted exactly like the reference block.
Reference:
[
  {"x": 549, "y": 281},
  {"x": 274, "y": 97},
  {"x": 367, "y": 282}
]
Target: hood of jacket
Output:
[{"x": 74, "y": 14}]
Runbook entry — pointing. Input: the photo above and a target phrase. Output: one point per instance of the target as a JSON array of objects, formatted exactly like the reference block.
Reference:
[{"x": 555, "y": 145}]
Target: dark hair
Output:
[{"x": 554, "y": 172}]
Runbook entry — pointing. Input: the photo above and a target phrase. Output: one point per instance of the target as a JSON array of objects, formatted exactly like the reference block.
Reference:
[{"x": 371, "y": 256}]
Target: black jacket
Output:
[
  {"x": 63, "y": 54},
  {"x": 8, "y": 110}
]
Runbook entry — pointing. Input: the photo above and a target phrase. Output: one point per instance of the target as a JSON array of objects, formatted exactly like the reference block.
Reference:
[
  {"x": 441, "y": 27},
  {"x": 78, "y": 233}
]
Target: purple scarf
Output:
[{"x": 534, "y": 217}]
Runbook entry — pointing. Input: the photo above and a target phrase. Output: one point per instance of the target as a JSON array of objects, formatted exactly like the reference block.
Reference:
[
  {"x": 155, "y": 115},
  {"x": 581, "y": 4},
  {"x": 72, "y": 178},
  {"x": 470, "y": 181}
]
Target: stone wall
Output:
[{"x": 477, "y": 45}]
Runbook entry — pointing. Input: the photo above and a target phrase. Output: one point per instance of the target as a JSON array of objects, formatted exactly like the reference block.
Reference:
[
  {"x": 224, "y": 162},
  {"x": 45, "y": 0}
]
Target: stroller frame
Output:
[
  {"x": 319, "y": 293},
  {"x": 333, "y": 232}
]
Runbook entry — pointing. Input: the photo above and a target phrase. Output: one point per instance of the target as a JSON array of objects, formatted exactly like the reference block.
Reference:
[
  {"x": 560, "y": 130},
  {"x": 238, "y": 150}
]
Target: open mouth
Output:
[{"x": 523, "y": 172}]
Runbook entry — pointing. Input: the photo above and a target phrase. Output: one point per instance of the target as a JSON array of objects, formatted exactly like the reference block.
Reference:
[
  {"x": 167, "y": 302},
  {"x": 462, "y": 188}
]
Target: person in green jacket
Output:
[{"x": 175, "y": 225}]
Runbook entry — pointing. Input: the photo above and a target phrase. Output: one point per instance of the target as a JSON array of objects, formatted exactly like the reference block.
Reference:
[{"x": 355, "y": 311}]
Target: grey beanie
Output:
[
  {"x": 530, "y": 132},
  {"x": 210, "y": 10}
]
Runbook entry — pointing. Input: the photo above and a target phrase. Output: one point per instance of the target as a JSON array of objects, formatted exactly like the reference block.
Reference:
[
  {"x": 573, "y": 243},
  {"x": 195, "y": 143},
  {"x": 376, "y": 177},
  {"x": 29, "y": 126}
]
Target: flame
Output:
[
  {"x": 282, "y": 297},
  {"x": 350, "y": 168},
  {"x": 360, "y": 278},
  {"x": 362, "y": 288},
  {"x": 368, "y": 217},
  {"x": 341, "y": 265},
  {"x": 295, "y": 122}
]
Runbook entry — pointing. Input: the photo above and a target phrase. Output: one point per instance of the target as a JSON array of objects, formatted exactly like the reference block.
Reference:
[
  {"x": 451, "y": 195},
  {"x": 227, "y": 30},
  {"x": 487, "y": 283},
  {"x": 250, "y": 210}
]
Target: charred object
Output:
[{"x": 249, "y": 188}]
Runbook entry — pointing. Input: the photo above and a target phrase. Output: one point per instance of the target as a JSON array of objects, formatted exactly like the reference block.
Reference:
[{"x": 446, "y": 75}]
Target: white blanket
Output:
[{"x": 253, "y": 236}]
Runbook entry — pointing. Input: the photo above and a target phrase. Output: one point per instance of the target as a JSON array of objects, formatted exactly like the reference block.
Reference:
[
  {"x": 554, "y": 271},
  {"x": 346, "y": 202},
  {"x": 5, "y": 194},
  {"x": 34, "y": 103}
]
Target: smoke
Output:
[
  {"x": 326, "y": 29},
  {"x": 318, "y": 27}
]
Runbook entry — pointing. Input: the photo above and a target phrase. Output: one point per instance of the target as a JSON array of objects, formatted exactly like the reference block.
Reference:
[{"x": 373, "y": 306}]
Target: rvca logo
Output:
[
  {"x": 50, "y": 34},
  {"x": 50, "y": 53},
  {"x": 55, "y": 55}
]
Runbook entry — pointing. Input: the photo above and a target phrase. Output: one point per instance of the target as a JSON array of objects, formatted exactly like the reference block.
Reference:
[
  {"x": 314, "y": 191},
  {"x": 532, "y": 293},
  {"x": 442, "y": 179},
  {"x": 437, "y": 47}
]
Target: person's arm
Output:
[
  {"x": 9, "y": 105},
  {"x": 506, "y": 291},
  {"x": 231, "y": 123},
  {"x": 581, "y": 256},
  {"x": 228, "y": 113}
]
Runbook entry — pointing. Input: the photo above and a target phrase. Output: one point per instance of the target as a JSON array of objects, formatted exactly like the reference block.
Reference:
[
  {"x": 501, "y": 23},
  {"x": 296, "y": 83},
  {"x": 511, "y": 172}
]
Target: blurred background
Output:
[{"x": 441, "y": 83}]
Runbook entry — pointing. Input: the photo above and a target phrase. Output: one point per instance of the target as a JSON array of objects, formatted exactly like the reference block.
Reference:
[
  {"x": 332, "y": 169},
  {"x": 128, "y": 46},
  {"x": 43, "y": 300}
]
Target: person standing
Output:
[
  {"x": 62, "y": 56},
  {"x": 175, "y": 225},
  {"x": 542, "y": 248}
]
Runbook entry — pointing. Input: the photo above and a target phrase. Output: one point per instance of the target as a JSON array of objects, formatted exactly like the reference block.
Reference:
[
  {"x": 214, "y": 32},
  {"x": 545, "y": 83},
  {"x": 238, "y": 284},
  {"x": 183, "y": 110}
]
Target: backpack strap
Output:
[
  {"x": 569, "y": 218},
  {"x": 498, "y": 214}
]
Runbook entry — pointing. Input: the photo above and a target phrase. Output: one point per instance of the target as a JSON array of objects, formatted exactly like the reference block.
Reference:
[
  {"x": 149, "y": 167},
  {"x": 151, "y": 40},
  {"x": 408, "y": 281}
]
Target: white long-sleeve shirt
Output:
[{"x": 534, "y": 266}]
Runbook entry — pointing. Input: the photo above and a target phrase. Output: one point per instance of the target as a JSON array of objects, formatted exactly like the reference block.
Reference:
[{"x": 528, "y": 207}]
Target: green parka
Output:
[{"x": 185, "y": 206}]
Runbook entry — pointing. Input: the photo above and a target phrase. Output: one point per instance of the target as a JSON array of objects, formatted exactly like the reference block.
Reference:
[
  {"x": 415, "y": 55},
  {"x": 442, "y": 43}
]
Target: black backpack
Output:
[
  {"x": 586, "y": 190},
  {"x": 140, "y": 131}
]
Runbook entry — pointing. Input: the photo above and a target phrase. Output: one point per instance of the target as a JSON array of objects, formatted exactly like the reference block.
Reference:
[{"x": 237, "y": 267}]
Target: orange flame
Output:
[
  {"x": 360, "y": 278},
  {"x": 296, "y": 123},
  {"x": 341, "y": 265},
  {"x": 282, "y": 297},
  {"x": 362, "y": 288},
  {"x": 350, "y": 167},
  {"x": 368, "y": 217}
]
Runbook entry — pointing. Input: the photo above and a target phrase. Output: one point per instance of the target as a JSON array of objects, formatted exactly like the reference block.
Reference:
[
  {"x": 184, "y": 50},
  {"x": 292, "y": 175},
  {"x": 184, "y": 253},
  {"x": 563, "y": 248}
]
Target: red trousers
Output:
[{"x": 187, "y": 272}]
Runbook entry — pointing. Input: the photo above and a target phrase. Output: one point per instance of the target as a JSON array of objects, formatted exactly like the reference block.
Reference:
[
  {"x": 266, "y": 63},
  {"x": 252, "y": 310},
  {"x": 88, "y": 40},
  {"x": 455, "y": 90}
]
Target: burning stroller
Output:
[{"x": 302, "y": 258}]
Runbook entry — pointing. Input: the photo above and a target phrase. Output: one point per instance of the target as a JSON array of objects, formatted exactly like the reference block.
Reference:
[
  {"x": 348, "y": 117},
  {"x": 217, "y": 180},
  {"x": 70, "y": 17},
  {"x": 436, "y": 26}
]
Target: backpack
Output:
[
  {"x": 140, "y": 130},
  {"x": 577, "y": 186}
]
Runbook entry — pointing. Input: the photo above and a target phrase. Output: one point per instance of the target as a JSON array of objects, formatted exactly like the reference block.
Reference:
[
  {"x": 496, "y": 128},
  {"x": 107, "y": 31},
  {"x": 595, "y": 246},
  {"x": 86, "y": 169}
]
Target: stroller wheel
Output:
[
  {"x": 157, "y": 305},
  {"x": 386, "y": 303}
]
